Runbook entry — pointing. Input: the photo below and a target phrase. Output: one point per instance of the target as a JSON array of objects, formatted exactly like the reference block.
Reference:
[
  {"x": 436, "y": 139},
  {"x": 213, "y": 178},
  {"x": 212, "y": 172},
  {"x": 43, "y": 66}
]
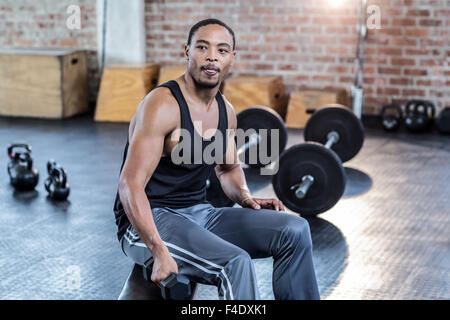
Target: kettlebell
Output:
[
  {"x": 391, "y": 121},
  {"x": 23, "y": 176},
  {"x": 419, "y": 115},
  {"x": 56, "y": 183}
]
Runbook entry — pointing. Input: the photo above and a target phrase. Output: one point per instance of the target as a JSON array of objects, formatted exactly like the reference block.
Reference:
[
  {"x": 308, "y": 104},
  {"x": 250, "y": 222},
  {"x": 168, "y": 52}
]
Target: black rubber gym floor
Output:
[{"x": 387, "y": 238}]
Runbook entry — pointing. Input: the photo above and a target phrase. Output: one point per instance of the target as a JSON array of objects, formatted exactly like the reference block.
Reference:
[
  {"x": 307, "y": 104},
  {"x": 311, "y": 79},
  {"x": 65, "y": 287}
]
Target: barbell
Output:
[{"x": 311, "y": 178}]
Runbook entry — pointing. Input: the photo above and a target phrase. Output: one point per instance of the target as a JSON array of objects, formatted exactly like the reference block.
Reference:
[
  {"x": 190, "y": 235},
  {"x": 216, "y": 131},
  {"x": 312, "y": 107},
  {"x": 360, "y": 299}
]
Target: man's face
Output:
[{"x": 210, "y": 55}]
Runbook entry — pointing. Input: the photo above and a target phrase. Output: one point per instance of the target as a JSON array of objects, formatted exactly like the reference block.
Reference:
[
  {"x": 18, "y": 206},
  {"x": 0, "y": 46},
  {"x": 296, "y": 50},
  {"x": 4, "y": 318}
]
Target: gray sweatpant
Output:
[{"x": 215, "y": 246}]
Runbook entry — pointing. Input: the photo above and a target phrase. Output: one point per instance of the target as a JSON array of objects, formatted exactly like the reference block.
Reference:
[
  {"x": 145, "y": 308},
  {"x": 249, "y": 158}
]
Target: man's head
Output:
[{"x": 210, "y": 52}]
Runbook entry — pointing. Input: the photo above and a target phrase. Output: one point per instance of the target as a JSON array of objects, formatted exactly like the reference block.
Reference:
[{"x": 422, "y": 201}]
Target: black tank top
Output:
[{"x": 178, "y": 185}]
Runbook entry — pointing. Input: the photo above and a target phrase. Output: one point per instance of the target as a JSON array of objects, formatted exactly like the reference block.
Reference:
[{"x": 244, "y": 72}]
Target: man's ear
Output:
[
  {"x": 233, "y": 59},
  {"x": 186, "y": 51}
]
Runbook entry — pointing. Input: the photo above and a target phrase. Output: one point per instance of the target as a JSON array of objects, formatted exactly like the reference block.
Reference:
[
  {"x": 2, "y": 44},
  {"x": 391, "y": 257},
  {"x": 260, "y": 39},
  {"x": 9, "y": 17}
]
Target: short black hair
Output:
[{"x": 206, "y": 22}]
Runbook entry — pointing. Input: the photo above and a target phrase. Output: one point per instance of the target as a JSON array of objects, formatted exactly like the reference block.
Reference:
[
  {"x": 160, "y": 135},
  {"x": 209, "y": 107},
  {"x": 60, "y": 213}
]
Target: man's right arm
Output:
[{"x": 146, "y": 142}]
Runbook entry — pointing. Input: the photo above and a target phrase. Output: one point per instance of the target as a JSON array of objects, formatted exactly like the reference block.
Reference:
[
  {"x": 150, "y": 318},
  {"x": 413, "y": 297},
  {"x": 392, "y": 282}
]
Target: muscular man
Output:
[{"x": 163, "y": 217}]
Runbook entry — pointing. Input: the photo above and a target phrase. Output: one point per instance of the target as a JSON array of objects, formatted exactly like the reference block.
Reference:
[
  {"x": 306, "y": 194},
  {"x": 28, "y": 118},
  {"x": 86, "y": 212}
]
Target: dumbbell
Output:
[
  {"x": 56, "y": 182},
  {"x": 311, "y": 178},
  {"x": 22, "y": 175},
  {"x": 260, "y": 121},
  {"x": 173, "y": 287}
]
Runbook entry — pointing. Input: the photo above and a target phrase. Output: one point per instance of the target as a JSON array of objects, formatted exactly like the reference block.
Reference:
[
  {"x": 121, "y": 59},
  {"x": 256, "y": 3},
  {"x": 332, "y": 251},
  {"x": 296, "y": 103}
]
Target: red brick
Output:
[
  {"x": 287, "y": 67},
  {"x": 403, "y": 22},
  {"x": 384, "y": 70},
  {"x": 337, "y": 69},
  {"x": 417, "y": 52},
  {"x": 286, "y": 29},
  {"x": 403, "y": 41},
  {"x": 262, "y": 10},
  {"x": 324, "y": 20},
  {"x": 415, "y": 32},
  {"x": 430, "y": 62},
  {"x": 401, "y": 81},
  {"x": 442, "y": 13},
  {"x": 430, "y": 22},
  {"x": 432, "y": 42},
  {"x": 325, "y": 59},
  {"x": 390, "y": 51},
  {"x": 298, "y": 20},
  {"x": 346, "y": 79},
  {"x": 274, "y": 38},
  {"x": 390, "y": 31},
  {"x": 415, "y": 72},
  {"x": 250, "y": 56},
  {"x": 311, "y": 29},
  {"x": 68, "y": 42},
  {"x": 336, "y": 29},
  {"x": 338, "y": 50},
  {"x": 323, "y": 78},
  {"x": 413, "y": 92},
  {"x": 263, "y": 66},
  {"x": 388, "y": 91},
  {"x": 402, "y": 62},
  {"x": 425, "y": 83},
  {"x": 418, "y": 13}
]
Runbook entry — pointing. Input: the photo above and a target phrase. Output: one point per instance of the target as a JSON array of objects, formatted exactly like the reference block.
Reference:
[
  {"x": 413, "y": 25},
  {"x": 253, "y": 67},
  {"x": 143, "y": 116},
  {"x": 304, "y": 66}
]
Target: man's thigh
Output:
[
  {"x": 259, "y": 232},
  {"x": 200, "y": 254}
]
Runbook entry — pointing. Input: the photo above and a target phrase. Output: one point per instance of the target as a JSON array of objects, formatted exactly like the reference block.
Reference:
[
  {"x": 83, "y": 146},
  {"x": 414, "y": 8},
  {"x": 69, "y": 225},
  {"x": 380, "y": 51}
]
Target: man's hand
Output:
[
  {"x": 163, "y": 266},
  {"x": 257, "y": 203}
]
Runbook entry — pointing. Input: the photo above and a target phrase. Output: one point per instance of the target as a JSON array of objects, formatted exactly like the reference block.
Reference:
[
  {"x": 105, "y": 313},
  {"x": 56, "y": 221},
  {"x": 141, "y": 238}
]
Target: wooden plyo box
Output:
[
  {"x": 246, "y": 91},
  {"x": 303, "y": 103},
  {"x": 122, "y": 88},
  {"x": 43, "y": 83}
]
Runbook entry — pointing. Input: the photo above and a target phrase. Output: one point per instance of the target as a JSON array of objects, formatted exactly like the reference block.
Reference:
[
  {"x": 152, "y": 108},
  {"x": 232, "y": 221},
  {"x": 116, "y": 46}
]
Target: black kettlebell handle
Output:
[
  {"x": 10, "y": 149},
  {"x": 399, "y": 114},
  {"x": 412, "y": 107},
  {"x": 57, "y": 172}
]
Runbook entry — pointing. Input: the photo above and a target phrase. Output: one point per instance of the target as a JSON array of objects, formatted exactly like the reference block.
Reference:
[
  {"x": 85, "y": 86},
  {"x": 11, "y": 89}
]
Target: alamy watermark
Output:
[
  {"x": 255, "y": 143},
  {"x": 73, "y": 22}
]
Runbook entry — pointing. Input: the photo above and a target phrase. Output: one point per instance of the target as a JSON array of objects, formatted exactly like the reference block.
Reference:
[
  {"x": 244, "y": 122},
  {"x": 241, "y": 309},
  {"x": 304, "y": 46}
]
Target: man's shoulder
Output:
[
  {"x": 231, "y": 115},
  {"x": 159, "y": 108}
]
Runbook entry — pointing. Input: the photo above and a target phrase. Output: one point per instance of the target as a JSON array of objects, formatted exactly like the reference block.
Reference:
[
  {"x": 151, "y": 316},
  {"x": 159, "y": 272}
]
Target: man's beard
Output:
[{"x": 204, "y": 85}]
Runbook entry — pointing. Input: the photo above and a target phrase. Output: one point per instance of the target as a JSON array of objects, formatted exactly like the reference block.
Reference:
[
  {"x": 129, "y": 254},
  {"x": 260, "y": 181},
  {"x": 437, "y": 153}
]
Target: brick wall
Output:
[
  {"x": 311, "y": 43},
  {"x": 42, "y": 24}
]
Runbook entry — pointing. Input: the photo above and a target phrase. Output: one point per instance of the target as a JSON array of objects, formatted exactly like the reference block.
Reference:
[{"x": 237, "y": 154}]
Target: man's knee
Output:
[
  {"x": 297, "y": 231},
  {"x": 240, "y": 258}
]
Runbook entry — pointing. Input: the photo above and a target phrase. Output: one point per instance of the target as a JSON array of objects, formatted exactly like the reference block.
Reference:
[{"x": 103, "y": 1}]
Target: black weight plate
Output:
[
  {"x": 259, "y": 117},
  {"x": 337, "y": 118},
  {"x": 215, "y": 194},
  {"x": 310, "y": 159}
]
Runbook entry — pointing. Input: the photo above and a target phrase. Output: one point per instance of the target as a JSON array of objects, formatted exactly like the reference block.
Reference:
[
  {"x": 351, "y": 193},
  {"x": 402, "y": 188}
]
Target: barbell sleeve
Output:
[
  {"x": 333, "y": 137},
  {"x": 302, "y": 188}
]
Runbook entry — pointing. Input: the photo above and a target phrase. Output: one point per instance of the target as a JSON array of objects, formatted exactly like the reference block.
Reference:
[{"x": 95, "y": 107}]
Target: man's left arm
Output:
[{"x": 232, "y": 177}]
